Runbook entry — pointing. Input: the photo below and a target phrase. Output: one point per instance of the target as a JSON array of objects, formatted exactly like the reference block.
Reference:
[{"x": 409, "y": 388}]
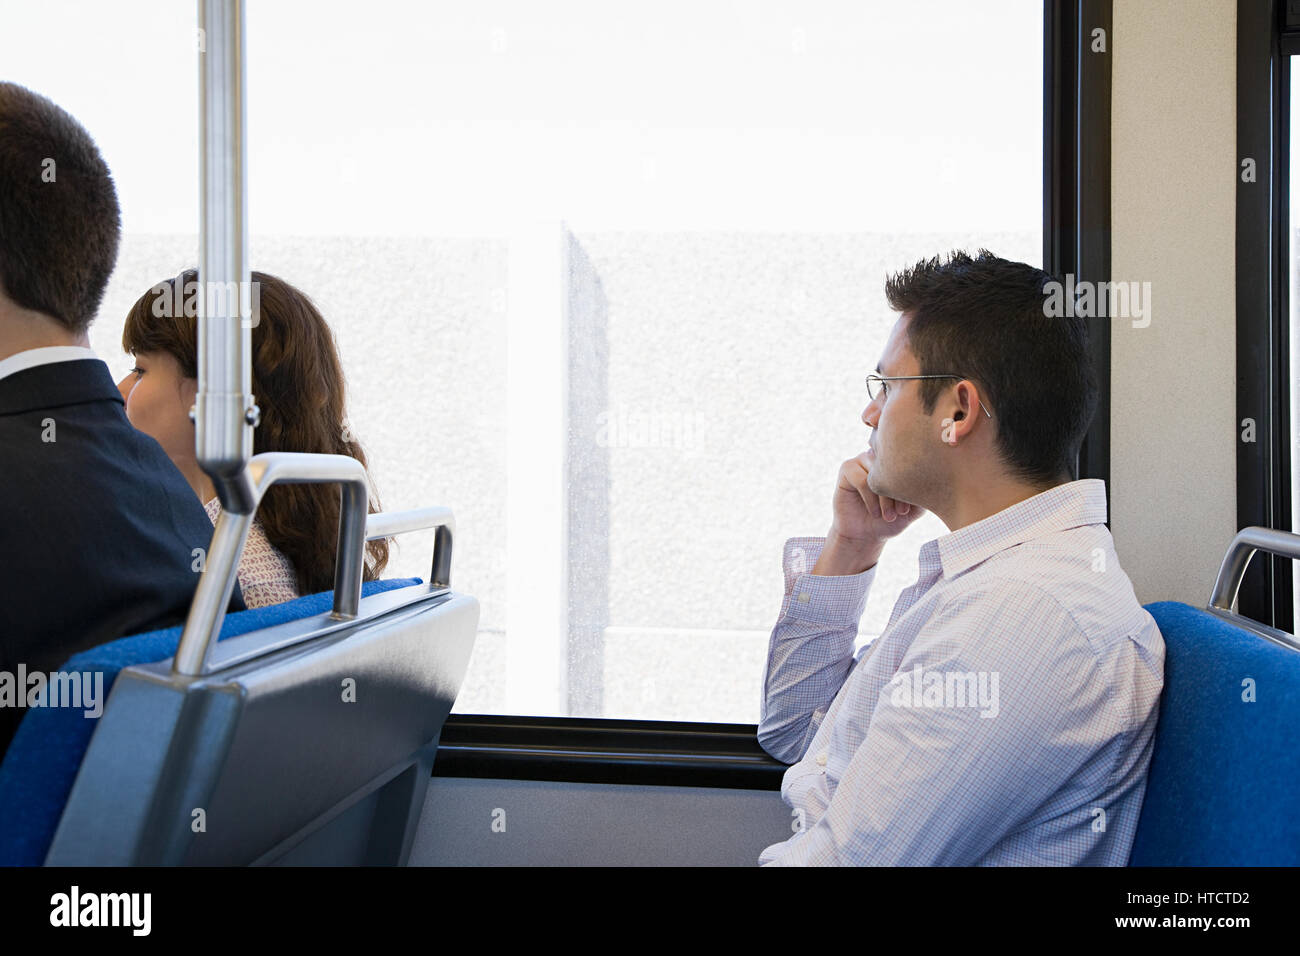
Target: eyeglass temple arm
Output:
[{"x": 882, "y": 379}]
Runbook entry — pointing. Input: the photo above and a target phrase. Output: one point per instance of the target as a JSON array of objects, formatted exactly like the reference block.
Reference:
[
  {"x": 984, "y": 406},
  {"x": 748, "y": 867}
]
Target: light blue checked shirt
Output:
[{"x": 1005, "y": 716}]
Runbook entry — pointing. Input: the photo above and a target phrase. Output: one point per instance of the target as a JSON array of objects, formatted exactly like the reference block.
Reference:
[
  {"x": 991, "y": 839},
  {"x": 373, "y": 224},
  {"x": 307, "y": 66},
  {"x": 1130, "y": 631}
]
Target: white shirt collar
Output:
[{"x": 31, "y": 358}]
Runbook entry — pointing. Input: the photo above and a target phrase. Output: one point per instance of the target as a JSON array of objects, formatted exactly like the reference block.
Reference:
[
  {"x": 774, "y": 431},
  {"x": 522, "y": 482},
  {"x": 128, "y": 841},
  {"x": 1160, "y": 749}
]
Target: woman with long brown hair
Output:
[{"x": 297, "y": 384}]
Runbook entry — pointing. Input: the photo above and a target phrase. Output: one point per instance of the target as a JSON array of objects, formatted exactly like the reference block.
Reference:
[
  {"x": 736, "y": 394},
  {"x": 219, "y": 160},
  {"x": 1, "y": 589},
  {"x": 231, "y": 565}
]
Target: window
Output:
[
  {"x": 1269, "y": 41},
  {"x": 606, "y": 280},
  {"x": 1291, "y": 296}
]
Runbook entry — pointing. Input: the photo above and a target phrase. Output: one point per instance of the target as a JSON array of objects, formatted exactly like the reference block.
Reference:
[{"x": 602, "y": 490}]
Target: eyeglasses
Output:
[{"x": 878, "y": 385}]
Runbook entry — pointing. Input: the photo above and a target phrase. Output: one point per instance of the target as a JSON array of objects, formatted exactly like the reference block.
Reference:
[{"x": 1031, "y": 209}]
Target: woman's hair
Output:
[{"x": 298, "y": 385}]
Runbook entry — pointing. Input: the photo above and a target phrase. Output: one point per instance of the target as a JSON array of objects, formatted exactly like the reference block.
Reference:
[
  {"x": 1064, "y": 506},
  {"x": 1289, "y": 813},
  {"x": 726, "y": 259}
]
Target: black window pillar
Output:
[
  {"x": 1261, "y": 174},
  {"x": 1076, "y": 180}
]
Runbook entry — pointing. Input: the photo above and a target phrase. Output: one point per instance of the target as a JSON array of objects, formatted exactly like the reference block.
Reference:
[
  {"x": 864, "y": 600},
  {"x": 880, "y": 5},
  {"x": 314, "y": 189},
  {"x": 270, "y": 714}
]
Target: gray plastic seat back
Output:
[{"x": 318, "y": 752}]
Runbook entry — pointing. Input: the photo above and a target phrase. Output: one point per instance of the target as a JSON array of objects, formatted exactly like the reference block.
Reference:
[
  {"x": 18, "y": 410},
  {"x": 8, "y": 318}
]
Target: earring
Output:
[{"x": 947, "y": 435}]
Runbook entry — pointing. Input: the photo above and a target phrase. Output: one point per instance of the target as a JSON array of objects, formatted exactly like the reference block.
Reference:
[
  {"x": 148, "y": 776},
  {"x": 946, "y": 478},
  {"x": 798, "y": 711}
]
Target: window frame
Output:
[
  {"x": 1265, "y": 43},
  {"x": 1076, "y": 238}
]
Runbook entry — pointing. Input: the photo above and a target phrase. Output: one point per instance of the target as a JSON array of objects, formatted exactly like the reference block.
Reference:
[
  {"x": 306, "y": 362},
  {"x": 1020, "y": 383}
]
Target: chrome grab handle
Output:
[
  {"x": 208, "y": 610},
  {"x": 1243, "y": 548},
  {"x": 385, "y": 525}
]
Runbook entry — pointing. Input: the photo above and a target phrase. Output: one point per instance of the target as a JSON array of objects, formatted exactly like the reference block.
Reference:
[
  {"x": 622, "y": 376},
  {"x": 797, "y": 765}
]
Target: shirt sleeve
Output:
[
  {"x": 941, "y": 777},
  {"x": 810, "y": 651}
]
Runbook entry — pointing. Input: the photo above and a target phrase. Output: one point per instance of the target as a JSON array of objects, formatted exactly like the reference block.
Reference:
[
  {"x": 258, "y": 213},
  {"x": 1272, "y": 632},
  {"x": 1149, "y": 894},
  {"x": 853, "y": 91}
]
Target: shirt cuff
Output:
[{"x": 817, "y": 598}]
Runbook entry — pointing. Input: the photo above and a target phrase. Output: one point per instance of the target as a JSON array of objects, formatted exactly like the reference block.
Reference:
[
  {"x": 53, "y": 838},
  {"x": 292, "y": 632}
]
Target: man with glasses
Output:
[{"x": 1006, "y": 715}]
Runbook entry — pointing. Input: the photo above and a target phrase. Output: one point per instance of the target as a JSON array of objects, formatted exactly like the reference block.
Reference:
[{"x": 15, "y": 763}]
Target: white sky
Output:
[{"x": 404, "y": 118}]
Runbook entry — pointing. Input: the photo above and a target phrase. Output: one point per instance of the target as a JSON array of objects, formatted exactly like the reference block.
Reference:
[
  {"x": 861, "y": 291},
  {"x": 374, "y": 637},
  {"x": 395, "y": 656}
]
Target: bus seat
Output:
[
  {"x": 1222, "y": 785},
  {"x": 294, "y": 748}
]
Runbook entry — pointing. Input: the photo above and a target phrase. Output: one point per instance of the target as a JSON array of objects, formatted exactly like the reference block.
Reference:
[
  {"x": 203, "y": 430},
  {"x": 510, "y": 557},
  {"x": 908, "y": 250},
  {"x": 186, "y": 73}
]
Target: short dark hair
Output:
[
  {"x": 59, "y": 222},
  {"x": 984, "y": 318}
]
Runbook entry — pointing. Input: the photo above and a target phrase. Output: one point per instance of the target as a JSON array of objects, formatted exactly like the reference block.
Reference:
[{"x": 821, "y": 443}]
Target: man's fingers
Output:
[
  {"x": 877, "y": 507},
  {"x": 853, "y": 477},
  {"x": 854, "y": 472},
  {"x": 871, "y": 501}
]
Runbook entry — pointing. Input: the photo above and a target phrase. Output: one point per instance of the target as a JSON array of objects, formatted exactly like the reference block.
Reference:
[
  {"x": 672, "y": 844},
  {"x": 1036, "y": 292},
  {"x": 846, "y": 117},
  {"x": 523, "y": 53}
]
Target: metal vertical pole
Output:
[{"x": 224, "y": 412}]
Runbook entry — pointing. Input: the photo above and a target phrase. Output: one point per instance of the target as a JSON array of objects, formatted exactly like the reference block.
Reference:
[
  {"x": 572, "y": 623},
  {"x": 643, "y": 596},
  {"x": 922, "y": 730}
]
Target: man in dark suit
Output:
[{"x": 100, "y": 535}]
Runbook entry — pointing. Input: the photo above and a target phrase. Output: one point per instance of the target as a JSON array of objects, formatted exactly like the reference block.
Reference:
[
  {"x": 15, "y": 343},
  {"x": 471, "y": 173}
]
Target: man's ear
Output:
[{"x": 946, "y": 434}]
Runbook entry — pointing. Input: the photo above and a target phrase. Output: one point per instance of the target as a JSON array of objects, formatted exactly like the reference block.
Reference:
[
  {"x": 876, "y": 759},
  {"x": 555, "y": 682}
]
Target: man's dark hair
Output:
[
  {"x": 984, "y": 318},
  {"x": 59, "y": 220}
]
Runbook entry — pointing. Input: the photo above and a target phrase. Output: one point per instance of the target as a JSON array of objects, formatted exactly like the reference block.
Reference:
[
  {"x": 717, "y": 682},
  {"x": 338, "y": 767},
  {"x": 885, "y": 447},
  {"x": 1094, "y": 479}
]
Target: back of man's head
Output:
[
  {"x": 59, "y": 218},
  {"x": 984, "y": 318}
]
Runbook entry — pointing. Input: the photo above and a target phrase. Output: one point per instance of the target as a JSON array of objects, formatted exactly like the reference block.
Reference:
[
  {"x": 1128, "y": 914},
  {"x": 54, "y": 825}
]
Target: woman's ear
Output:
[{"x": 189, "y": 393}]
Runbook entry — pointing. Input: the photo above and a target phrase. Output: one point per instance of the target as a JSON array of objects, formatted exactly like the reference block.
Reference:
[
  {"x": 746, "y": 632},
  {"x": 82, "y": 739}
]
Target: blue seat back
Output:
[
  {"x": 43, "y": 759},
  {"x": 1224, "y": 784}
]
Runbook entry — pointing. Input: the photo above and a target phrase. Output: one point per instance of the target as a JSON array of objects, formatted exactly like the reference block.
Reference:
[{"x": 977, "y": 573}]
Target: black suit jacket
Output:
[{"x": 97, "y": 526}]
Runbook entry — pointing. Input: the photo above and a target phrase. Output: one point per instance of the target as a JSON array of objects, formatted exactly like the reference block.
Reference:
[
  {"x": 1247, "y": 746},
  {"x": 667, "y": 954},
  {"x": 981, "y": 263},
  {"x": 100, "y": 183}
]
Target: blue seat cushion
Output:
[
  {"x": 1224, "y": 784},
  {"x": 45, "y": 754}
]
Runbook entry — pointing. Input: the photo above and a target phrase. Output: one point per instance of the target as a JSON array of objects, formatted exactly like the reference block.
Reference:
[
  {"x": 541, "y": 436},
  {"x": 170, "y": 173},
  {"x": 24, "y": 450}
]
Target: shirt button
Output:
[
  {"x": 821, "y": 759},
  {"x": 804, "y": 597}
]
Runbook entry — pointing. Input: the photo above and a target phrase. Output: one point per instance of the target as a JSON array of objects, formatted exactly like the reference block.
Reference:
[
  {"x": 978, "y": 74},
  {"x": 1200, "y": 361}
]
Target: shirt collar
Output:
[
  {"x": 31, "y": 358},
  {"x": 1070, "y": 505}
]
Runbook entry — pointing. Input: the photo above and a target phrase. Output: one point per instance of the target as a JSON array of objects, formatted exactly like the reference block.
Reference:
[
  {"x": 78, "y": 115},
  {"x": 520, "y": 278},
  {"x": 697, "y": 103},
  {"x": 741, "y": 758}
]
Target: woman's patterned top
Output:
[{"x": 266, "y": 576}]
